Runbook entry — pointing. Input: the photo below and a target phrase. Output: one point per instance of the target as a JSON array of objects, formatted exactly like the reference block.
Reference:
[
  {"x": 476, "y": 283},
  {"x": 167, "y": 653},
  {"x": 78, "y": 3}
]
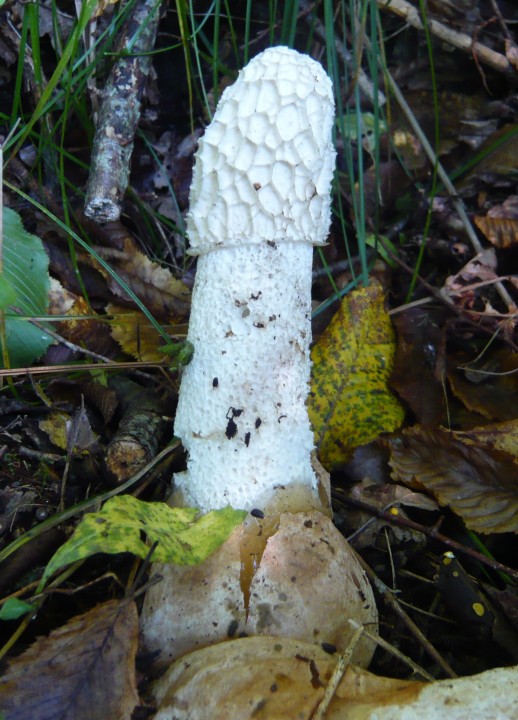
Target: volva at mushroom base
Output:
[{"x": 260, "y": 200}]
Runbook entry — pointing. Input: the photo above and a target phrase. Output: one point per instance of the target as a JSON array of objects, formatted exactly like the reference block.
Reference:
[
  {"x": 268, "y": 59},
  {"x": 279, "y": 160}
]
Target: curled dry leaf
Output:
[
  {"x": 83, "y": 670},
  {"x": 500, "y": 231},
  {"x": 269, "y": 677},
  {"x": 479, "y": 270},
  {"x": 499, "y": 436},
  {"x": 477, "y": 483},
  {"x": 489, "y": 386}
]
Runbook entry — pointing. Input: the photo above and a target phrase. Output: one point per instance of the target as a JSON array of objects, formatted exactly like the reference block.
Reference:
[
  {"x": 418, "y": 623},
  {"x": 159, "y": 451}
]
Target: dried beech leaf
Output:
[
  {"x": 134, "y": 333},
  {"x": 500, "y": 231},
  {"x": 83, "y": 328},
  {"x": 479, "y": 484},
  {"x": 350, "y": 403},
  {"x": 83, "y": 670},
  {"x": 496, "y": 436},
  {"x": 102, "y": 5},
  {"x": 159, "y": 290},
  {"x": 480, "y": 269},
  {"x": 489, "y": 387}
]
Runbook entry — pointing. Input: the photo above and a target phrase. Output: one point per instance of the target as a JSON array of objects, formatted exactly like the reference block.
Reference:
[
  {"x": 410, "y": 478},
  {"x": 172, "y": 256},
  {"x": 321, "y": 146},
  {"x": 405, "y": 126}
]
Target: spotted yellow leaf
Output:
[{"x": 350, "y": 403}]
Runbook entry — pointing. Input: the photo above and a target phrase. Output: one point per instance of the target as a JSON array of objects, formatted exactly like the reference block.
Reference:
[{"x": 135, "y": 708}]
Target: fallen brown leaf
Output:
[
  {"x": 477, "y": 483},
  {"x": 83, "y": 670}
]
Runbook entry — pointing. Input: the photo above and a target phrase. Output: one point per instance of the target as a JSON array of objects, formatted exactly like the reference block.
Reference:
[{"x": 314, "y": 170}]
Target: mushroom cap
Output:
[{"x": 264, "y": 165}]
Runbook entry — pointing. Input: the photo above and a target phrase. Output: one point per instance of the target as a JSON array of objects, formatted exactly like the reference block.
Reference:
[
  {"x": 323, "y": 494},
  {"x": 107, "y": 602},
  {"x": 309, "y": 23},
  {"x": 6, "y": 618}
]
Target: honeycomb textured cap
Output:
[{"x": 264, "y": 166}]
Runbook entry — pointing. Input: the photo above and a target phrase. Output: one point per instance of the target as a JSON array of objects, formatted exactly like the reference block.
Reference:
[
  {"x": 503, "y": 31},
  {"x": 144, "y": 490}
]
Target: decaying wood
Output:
[
  {"x": 119, "y": 115},
  {"x": 140, "y": 429},
  {"x": 460, "y": 40}
]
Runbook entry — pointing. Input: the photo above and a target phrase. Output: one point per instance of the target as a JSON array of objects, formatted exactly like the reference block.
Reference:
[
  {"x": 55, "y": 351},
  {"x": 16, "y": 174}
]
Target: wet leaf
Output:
[
  {"x": 500, "y": 225},
  {"x": 477, "y": 483},
  {"x": 502, "y": 232},
  {"x": 26, "y": 286},
  {"x": 416, "y": 375},
  {"x": 183, "y": 537},
  {"x": 350, "y": 403},
  {"x": 498, "y": 436},
  {"x": 14, "y": 608},
  {"x": 488, "y": 386},
  {"x": 83, "y": 670}
]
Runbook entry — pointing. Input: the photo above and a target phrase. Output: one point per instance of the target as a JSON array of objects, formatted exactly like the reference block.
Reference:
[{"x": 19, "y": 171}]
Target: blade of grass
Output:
[
  {"x": 436, "y": 140},
  {"x": 87, "y": 9}
]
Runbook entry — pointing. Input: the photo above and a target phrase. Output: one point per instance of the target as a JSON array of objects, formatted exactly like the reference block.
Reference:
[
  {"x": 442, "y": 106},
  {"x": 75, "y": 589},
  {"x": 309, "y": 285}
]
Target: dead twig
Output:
[
  {"x": 390, "y": 599},
  {"x": 120, "y": 114},
  {"x": 432, "y": 532},
  {"x": 489, "y": 57},
  {"x": 394, "y": 652}
]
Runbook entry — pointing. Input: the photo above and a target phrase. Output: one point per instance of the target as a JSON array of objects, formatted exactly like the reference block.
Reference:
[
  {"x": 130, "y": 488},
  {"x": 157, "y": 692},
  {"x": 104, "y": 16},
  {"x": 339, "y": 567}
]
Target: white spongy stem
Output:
[{"x": 241, "y": 412}]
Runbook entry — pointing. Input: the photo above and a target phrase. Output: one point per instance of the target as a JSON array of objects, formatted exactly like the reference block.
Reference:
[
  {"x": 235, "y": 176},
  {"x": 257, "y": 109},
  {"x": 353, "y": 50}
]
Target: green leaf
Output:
[
  {"x": 126, "y": 524},
  {"x": 181, "y": 353},
  {"x": 7, "y": 293},
  {"x": 26, "y": 279},
  {"x": 14, "y": 608},
  {"x": 350, "y": 403}
]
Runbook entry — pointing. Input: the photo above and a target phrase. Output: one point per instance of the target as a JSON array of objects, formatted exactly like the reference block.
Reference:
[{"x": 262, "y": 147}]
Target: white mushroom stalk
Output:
[{"x": 260, "y": 200}]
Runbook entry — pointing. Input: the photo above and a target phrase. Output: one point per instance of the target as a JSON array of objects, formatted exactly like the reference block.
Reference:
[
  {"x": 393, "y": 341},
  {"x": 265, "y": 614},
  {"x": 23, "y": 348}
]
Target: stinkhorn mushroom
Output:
[{"x": 260, "y": 200}]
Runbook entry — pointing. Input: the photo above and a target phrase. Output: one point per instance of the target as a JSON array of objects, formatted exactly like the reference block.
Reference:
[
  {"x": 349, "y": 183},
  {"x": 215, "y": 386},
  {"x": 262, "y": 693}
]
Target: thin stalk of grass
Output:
[
  {"x": 87, "y": 9},
  {"x": 334, "y": 71},
  {"x": 233, "y": 33},
  {"x": 272, "y": 21},
  {"x": 248, "y": 18},
  {"x": 16, "y": 110},
  {"x": 372, "y": 58},
  {"x": 194, "y": 39},
  {"x": 289, "y": 22},
  {"x": 346, "y": 119},
  {"x": 436, "y": 119},
  {"x": 185, "y": 36},
  {"x": 215, "y": 55}
]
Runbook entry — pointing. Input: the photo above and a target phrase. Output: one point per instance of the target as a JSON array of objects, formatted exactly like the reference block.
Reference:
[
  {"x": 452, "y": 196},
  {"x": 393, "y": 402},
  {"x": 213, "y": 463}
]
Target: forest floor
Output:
[{"x": 425, "y": 217}]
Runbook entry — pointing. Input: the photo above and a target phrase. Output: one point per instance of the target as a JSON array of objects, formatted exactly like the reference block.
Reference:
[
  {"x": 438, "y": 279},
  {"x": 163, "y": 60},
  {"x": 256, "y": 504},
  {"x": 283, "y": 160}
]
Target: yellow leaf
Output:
[
  {"x": 55, "y": 426},
  {"x": 134, "y": 333},
  {"x": 350, "y": 403}
]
